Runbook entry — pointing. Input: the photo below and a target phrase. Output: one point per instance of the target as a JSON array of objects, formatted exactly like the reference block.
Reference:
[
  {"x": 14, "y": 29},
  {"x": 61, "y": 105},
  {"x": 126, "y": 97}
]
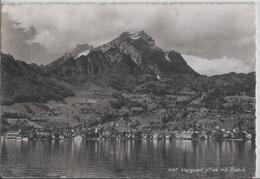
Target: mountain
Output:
[
  {"x": 22, "y": 82},
  {"x": 236, "y": 82},
  {"x": 132, "y": 54},
  {"x": 131, "y": 62},
  {"x": 148, "y": 57}
]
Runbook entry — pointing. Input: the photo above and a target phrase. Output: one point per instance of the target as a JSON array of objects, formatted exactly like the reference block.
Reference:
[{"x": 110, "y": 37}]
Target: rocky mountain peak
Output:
[{"x": 135, "y": 36}]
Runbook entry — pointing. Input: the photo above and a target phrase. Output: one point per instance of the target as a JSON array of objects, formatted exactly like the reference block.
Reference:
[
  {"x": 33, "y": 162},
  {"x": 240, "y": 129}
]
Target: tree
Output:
[{"x": 5, "y": 122}]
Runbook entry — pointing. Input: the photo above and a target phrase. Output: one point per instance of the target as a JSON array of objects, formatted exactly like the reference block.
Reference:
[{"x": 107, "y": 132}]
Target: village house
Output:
[
  {"x": 155, "y": 136},
  {"x": 169, "y": 136},
  {"x": 186, "y": 134},
  {"x": 145, "y": 136}
]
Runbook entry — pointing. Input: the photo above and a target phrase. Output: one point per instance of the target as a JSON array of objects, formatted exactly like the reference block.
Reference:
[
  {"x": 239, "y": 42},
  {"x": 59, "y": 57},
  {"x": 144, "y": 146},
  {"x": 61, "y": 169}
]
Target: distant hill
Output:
[{"x": 25, "y": 82}]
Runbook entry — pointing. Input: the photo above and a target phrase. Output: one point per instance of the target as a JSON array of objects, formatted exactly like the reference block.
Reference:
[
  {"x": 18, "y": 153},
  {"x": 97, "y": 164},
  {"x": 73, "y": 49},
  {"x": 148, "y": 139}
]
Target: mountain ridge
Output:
[
  {"x": 124, "y": 63},
  {"x": 25, "y": 82}
]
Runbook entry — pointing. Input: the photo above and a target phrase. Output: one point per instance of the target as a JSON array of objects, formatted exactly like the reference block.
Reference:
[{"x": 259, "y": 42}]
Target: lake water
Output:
[{"x": 130, "y": 158}]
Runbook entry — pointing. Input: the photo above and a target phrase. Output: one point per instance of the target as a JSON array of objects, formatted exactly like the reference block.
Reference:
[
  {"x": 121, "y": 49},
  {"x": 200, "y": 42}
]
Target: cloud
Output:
[
  {"x": 217, "y": 66},
  {"x": 15, "y": 41},
  {"x": 206, "y": 30}
]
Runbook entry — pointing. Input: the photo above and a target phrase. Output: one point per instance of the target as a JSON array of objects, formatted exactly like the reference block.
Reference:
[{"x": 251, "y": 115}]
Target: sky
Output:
[{"x": 213, "y": 38}]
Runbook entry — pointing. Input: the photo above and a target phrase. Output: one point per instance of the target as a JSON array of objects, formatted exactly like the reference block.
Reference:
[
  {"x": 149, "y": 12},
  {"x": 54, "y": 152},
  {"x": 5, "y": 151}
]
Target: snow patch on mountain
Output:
[
  {"x": 134, "y": 35},
  {"x": 167, "y": 57},
  {"x": 86, "y": 52}
]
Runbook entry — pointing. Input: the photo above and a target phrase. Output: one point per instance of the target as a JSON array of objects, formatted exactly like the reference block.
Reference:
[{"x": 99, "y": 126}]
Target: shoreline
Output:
[{"x": 123, "y": 139}]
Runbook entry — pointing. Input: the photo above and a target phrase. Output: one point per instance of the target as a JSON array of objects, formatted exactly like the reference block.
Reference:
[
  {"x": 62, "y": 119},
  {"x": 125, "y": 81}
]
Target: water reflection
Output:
[{"x": 131, "y": 158}]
